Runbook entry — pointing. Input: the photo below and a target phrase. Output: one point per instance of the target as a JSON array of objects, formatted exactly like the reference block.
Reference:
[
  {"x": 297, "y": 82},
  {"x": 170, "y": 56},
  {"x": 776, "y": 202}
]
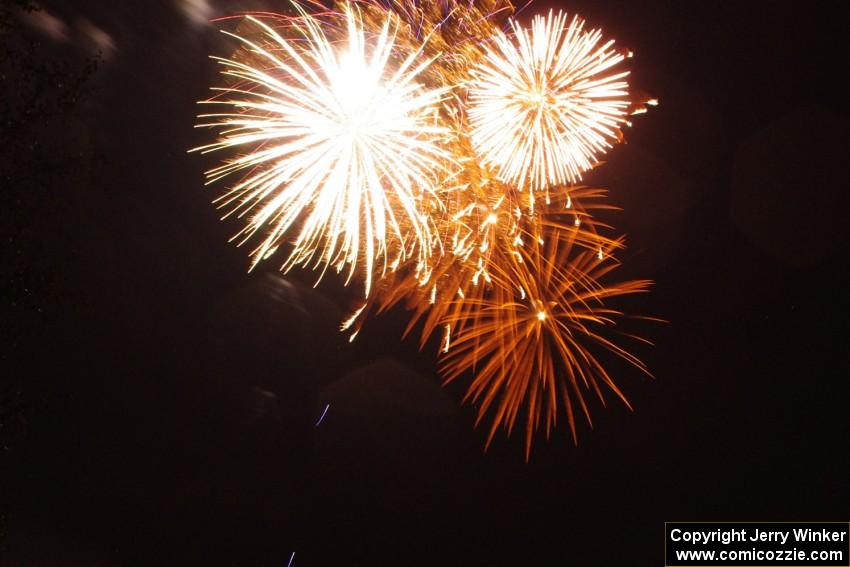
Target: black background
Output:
[{"x": 159, "y": 404}]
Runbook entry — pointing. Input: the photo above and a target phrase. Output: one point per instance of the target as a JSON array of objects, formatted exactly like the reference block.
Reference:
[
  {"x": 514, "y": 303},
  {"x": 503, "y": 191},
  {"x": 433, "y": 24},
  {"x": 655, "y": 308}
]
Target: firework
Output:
[
  {"x": 442, "y": 154},
  {"x": 519, "y": 306},
  {"x": 544, "y": 102},
  {"x": 339, "y": 144},
  {"x": 537, "y": 330}
]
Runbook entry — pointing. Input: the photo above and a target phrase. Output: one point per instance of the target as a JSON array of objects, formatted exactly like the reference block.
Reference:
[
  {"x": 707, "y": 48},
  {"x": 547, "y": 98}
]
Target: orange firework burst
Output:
[
  {"x": 520, "y": 307},
  {"x": 536, "y": 328}
]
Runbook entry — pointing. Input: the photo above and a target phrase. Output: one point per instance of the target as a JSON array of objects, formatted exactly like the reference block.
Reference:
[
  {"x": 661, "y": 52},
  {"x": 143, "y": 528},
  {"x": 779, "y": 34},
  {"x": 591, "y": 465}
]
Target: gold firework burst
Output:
[
  {"x": 544, "y": 103},
  {"x": 339, "y": 142}
]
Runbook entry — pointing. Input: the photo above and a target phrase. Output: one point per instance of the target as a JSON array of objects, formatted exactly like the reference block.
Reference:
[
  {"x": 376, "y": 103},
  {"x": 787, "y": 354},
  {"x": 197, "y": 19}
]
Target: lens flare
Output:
[
  {"x": 544, "y": 103},
  {"x": 339, "y": 144}
]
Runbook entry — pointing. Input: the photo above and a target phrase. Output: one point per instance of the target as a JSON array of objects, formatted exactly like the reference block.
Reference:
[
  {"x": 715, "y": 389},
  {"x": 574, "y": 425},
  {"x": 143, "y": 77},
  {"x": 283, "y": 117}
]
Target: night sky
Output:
[{"x": 159, "y": 403}]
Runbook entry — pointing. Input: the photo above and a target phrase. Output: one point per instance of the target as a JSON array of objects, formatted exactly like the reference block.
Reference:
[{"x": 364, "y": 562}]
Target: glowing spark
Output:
[
  {"x": 543, "y": 105},
  {"x": 447, "y": 338},
  {"x": 337, "y": 143},
  {"x": 322, "y": 416},
  {"x": 351, "y": 319}
]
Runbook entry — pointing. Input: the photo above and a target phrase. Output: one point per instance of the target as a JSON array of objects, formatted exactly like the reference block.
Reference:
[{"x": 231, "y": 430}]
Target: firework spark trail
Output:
[
  {"x": 339, "y": 142},
  {"x": 480, "y": 231},
  {"x": 322, "y": 417},
  {"x": 542, "y": 104}
]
